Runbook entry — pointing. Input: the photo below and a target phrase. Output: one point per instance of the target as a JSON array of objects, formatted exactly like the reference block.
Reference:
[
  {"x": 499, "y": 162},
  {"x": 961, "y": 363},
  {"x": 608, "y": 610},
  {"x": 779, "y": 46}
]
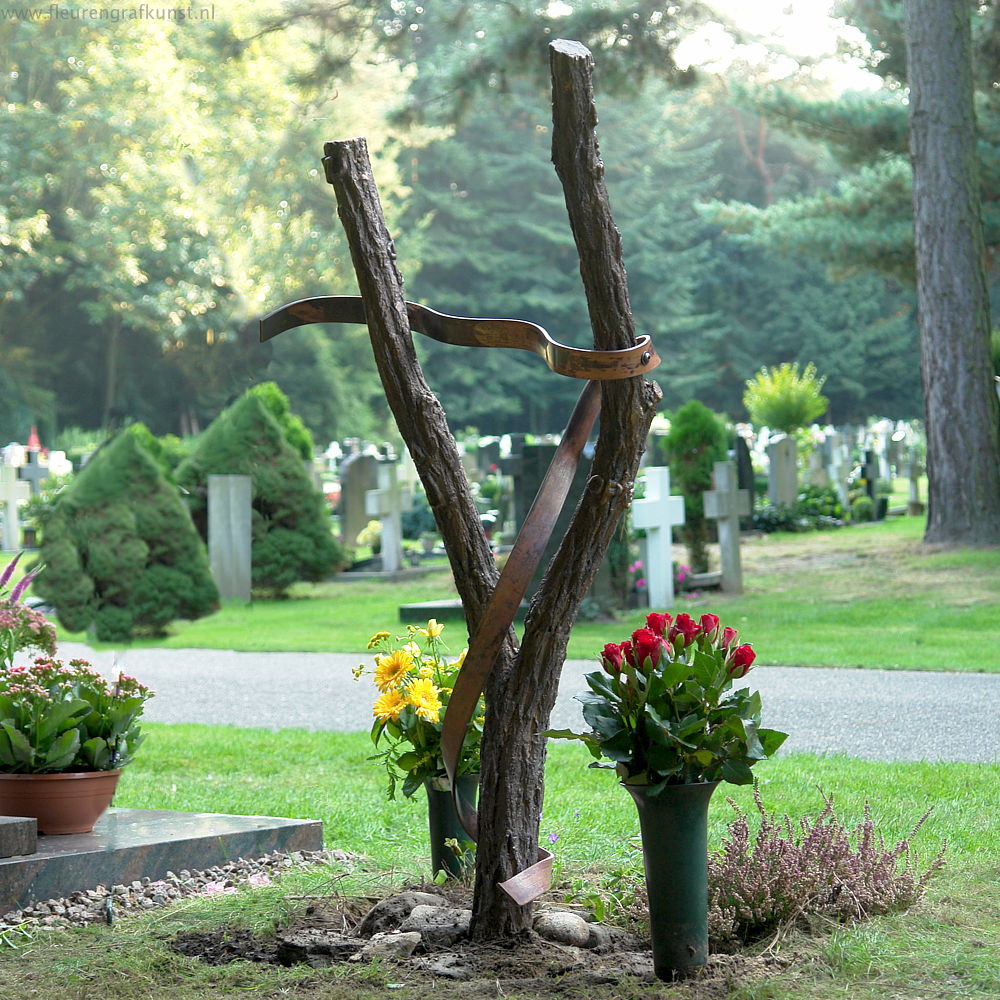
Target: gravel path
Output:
[{"x": 874, "y": 714}]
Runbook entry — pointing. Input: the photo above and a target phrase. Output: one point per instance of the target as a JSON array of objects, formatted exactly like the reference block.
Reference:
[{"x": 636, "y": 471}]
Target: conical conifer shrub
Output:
[
  {"x": 290, "y": 526},
  {"x": 120, "y": 551}
]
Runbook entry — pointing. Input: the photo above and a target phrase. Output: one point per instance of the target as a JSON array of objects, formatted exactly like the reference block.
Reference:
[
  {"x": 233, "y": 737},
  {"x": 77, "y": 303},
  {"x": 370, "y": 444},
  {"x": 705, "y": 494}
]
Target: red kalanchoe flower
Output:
[
  {"x": 743, "y": 657},
  {"x": 686, "y": 627},
  {"x": 646, "y": 645},
  {"x": 709, "y": 623},
  {"x": 611, "y": 658},
  {"x": 658, "y": 622},
  {"x": 728, "y": 637}
]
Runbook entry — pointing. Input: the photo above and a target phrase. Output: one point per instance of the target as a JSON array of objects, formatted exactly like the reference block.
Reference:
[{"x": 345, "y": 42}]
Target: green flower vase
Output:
[
  {"x": 444, "y": 826},
  {"x": 674, "y": 826}
]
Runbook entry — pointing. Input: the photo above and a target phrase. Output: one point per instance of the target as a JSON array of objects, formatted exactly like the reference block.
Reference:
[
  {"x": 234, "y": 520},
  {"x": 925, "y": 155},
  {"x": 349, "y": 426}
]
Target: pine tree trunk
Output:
[{"x": 963, "y": 454}]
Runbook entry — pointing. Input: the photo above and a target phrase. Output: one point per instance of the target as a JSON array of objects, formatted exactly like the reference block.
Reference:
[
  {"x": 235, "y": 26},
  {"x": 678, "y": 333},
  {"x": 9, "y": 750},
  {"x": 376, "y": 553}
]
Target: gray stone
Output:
[
  {"x": 392, "y": 944},
  {"x": 315, "y": 947},
  {"x": 387, "y": 914},
  {"x": 438, "y": 925},
  {"x": 448, "y": 966},
  {"x": 229, "y": 517},
  {"x": 563, "y": 927},
  {"x": 18, "y": 836},
  {"x": 605, "y": 939}
]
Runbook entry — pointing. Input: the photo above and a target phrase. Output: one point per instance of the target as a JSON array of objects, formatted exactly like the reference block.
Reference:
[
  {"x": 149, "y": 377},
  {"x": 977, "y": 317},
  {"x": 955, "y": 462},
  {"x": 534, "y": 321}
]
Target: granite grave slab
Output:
[{"x": 130, "y": 844}]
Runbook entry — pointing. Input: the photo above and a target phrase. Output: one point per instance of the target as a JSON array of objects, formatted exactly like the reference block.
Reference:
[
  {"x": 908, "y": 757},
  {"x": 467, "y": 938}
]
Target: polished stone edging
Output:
[{"x": 130, "y": 844}]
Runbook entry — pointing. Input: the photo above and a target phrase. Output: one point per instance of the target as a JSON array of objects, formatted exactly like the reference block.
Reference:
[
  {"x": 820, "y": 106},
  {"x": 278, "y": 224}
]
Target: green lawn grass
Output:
[
  {"x": 865, "y": 596},
  {"x": 945, "y": 948}
]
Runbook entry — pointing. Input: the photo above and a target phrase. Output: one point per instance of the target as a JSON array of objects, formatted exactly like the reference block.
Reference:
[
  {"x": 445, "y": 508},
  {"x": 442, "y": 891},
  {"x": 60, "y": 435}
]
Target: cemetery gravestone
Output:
[
  {"x": 744, "y": 468},
  {"x": 12, "y": 492},
  {"x": 358, "y": 475},
  {"x": 657, "y": 513},
  {"x": 34, "y": 472},
  {"x": 386, "y": 504},
  {"x": 782, "y": 476},
  {"x": 914, "y": 470},
  {"x": 726, "y": 504},
  {"x": 229, "y": 538}
]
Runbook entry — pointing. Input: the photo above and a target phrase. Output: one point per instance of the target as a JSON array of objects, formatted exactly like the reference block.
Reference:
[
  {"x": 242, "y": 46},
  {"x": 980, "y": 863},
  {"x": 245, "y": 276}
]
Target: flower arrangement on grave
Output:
[
  {"x": 662, "y": 709},
  {"x": 663, "y": 713},
  {"x": 415, "y": 677},
  {"x": 55, "y": 717}
]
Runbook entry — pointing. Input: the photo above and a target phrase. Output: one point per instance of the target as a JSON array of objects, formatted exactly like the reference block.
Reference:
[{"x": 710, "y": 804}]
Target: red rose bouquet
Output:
[{"x": 662, "y": 711}]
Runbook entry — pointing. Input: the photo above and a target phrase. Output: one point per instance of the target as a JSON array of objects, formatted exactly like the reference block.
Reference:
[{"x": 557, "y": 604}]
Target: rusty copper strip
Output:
[
  {"x": 466, "y": 331},
  {"x": 524, "y": 557}
]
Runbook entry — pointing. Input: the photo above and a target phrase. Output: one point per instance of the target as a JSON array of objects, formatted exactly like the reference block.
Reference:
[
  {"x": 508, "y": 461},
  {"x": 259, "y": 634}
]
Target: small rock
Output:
[
  {"x": 563, "y": 927},
  {"x": 438, "y": 925},
  {"x": 448, "y": 966},
  {"x": 393, "y": 944},
  {"x": 604, "y": 939},
  {"x": 315, "y": 947},
  {"x": 387, "y": 914}
]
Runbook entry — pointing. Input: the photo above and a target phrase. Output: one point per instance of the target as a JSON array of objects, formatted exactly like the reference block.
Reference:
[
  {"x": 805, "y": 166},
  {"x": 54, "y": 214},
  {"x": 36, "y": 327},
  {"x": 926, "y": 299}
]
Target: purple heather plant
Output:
[
  {"x": 21, "y": 627},
  {"x": 786, "y": 871}
]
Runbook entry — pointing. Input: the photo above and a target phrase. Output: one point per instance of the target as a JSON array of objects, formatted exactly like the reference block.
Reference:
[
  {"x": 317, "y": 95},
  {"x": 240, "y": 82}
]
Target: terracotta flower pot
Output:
[{"x": 71, "y": 802}]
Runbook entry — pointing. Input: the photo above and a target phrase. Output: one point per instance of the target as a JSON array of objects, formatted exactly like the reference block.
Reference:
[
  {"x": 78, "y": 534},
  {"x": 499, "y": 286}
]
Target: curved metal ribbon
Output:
[
  {"x": 524, "y": 557},
  {"x": 465, "y": 331}
]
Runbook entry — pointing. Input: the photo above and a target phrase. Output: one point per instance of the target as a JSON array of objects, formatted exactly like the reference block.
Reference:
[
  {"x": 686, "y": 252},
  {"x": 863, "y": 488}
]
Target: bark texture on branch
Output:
[
  {"x": 963, "y": 465},
  {"x": 512, "y": 781},
  {"x": 419, "y": 416}
]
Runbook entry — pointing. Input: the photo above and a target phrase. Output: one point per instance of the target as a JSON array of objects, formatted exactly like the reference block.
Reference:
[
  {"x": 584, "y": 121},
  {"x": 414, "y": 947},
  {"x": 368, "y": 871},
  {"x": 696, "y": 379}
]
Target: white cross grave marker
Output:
[
  {"x": 726, "y": 505},
  {"x": 12, "y": 491},
  {"x": 657, "y": 513},
  {"x": 387, "y": 503}
]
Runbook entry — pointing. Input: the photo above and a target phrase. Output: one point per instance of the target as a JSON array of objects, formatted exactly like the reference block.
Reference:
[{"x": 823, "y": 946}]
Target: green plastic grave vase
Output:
[
  {"x": 444, "y": 825},
  {"x": 674, "y": 826}
]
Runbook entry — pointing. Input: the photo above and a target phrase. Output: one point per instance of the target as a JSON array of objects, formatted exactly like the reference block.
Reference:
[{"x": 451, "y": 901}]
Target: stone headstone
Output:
[
  {"x": 386, "y": 504},
  {"x": 782, "y": 476},
  {"x": 869, "y": 472},
  {"x": 18, "y": 836},
  {"x": 657, "y": 513},
  {"x": 744, "y": 468},
  {"x": 914, "y": 470},
  {"x": 358, "y": 475},
  {"x": 726, "y": 504},
  {"x": 34, "y": 472},
  {"x": 12, "y": 492},
  {"x": 818, "y": 475},
  {"x": 229, "y": 537}
]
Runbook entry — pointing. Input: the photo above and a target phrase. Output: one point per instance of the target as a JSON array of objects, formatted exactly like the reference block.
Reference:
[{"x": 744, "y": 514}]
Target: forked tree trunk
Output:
[
  {"x": 523, "y": 684},
  {"x": 963, "y": 461}
]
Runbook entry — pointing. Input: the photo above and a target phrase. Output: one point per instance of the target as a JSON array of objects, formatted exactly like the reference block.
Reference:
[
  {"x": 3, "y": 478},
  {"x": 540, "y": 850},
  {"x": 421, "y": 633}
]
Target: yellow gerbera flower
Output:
[
  {"x": 377, "y": 638},
  {"x": 423, "y": 696},
  {"x": 433, "y": 629},
  {"x": 388, "y": 706},
  {"x": 461, "y": 658},
  {"x": 391, "y": 669}
]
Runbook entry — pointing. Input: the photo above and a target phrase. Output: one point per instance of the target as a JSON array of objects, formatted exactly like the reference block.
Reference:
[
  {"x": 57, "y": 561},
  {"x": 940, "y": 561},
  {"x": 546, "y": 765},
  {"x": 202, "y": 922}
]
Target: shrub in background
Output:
[
  {"x": 295, "y": 431},
  {"x": 783, "y": 400},
  {"x": 696, "y": 441},
  {"x": 817, "y": 507},
  {"x": 290, "y": 525},
  {"x": 119, "y": 549}
]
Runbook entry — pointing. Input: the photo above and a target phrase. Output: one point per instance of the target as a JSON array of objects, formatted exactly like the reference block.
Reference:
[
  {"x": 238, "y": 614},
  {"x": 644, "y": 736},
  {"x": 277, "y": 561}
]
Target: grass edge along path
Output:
[
  {"x": 943, "y": 948},
  {"x": 865, "y": 596}
]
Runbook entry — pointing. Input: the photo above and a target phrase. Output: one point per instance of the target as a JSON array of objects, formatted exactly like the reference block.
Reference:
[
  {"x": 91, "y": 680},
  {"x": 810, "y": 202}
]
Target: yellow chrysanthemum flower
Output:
[
  {"x": 391, "y": 669},
  {"x": 427, "y": 671},
  {"x": 433, "y": 629},
  {"x": 388, "y": 706},
  {"x": 377, "y": 638},
  {"x": 423, "y": 696}
]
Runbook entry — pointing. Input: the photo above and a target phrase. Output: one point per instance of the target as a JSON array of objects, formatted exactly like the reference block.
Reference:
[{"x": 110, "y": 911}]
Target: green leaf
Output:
[
  {"x": 63, "y": 750},
  {"x": 601, "y": 684},
  {"x": 411, "y": 783},
  {"x": 771, "y": 739},
  {"x": 737, "y": 772},
  {"x": 704, "y": 757},
  {"x": 408, "y": 761},
  {"x": 754, "y": 749},
  {"x": 673, "y": 673},
  {"x": 96, "y": 753},
  {"x": 21, "y": 749}
]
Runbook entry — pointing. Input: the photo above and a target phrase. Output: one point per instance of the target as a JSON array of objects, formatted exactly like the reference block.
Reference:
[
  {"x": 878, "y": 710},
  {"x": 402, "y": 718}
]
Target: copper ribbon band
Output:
[{"x": 524, "y": 557}]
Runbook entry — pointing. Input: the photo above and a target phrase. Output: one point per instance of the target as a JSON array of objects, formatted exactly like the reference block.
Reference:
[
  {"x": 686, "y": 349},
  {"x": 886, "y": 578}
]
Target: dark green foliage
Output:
[
  {"x": 291, "y": 425},
  {"x": 168, "y": 451},
  {"x": 290, "y": 526},
  {"x": 119, "y": 548},
  {"x": 863, "y": 509},
  {"x": 697, "y": 440},
  {"x": 419, "y": 519},
  {"x": 816, "y": 507}
]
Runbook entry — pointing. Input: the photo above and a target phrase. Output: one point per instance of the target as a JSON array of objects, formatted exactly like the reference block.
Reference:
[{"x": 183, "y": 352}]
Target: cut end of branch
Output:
[
  {"x": 335, "y": 154},
  {"x": 569, "y": 49}
]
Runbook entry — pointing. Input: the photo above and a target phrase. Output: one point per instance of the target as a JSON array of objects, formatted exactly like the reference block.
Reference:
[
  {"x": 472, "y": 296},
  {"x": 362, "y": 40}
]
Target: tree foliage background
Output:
[{"x": 161, "y": 189}]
